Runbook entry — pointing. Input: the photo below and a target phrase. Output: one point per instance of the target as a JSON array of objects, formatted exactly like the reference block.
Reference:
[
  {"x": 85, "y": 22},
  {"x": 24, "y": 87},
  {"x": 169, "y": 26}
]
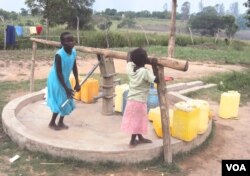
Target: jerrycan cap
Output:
[
  {"x": 184, "y": 106},
  {"x": 233, "y": 92}
]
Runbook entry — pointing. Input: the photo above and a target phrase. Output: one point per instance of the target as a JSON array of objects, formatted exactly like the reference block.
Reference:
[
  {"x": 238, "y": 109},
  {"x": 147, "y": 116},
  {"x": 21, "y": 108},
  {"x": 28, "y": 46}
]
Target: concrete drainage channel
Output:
[
  {"x": 94, "y": 141},
  {"x": 176, "y": 92}
]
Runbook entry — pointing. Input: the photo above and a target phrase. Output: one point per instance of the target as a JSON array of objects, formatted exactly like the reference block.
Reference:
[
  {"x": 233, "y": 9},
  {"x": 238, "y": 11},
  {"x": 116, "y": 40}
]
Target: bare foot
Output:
[
  {"x": 133, "y": 143},
  {"x": 63, "y": 126},
  {"x": 54, "y": 127},
  {"x": 144, "y": 141}
]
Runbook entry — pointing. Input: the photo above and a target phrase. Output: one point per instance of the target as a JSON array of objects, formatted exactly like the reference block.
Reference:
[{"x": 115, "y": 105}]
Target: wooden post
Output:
[
  {"x": 47, "y": 28},
  {"x": 171, "y": 41},
  {"x": 77, "y": 30},
  {"x": 107, "y": 70},
  {"x": 4, "y": 33},
  {"x": 162, "y": 90},
  {"x": 217, "y": 35},
  {"x": 34, "y": 46},
  {"x": 164, "y": 107},
  {"x": 191, "y": 35}
]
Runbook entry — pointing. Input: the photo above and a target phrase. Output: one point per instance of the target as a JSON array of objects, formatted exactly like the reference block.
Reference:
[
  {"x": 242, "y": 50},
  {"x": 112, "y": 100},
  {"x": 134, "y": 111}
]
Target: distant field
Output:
[
  {"x": 243, "y": 35},
  {"x": 152, "y": 25},
  {"x": 162, "y": 25}
]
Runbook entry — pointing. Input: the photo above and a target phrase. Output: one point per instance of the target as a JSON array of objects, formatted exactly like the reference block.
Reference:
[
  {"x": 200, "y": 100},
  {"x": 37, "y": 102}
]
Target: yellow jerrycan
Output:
[
  {"x": 185, "y": 121},
  {"x": 229, "y": 104},
  {"x": 155, "y": 115},
  {"x": 203, "y": 115},
  {"x": 119, "y": 90},
  {"x": 89, "y": 90},
  {"x": 72, "y": 81}
]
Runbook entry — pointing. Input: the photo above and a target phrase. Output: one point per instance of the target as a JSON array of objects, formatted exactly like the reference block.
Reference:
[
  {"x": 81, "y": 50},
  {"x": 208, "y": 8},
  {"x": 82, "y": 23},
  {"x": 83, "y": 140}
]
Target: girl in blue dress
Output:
[{"x": 59, "y": 88}]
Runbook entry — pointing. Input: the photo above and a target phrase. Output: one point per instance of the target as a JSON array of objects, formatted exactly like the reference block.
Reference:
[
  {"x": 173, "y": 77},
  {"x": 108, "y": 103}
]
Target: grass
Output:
[
  {"x": 195, "y": 53},
  {"x": 220, "y": 55},
  {"x": 41, "y": 55},
  {"x": 239, "y": 81}
]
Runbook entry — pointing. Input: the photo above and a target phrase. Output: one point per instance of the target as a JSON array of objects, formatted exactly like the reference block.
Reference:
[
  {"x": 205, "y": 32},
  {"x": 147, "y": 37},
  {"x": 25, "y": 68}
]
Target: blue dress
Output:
[{"x": 56, "y": 93}]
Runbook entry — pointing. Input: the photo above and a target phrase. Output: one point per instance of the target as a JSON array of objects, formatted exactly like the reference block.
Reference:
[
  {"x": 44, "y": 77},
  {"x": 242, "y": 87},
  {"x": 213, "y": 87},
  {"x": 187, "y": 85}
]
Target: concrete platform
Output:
[{"x": 91, "y": 136}]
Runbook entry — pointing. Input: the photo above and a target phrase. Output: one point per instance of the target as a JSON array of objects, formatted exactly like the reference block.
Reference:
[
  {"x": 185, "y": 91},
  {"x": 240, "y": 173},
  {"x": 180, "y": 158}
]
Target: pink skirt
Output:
[{"x": 135, "y": 120}]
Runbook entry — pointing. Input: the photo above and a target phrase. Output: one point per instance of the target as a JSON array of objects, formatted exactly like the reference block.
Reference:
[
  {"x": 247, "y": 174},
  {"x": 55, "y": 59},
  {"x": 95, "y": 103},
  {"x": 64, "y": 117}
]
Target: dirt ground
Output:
[
  {"x": 231, "y": 140},
  {"x": 20, "y": 70}
]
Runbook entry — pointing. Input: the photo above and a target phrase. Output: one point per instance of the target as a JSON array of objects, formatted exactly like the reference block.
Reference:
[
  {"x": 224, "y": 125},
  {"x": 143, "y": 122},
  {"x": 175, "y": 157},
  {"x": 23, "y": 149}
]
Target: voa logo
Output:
[{"x": 236, "y": 167}]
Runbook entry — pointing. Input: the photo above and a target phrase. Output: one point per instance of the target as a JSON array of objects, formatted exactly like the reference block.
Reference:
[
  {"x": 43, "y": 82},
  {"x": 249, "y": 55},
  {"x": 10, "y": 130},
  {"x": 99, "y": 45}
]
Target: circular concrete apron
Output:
[{"x": 91, "y": 136}]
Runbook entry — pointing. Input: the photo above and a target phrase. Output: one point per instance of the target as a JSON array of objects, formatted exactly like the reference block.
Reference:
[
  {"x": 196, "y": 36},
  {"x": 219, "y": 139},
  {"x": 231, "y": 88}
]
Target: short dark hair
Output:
[
  {"x": 63, "y": 35},
  {"x": 139, "y": 56}
]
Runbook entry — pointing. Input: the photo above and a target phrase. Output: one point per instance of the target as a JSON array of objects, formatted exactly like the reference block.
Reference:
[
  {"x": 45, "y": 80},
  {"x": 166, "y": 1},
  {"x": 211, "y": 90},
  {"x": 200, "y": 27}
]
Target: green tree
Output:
[
  {"x": 62, "y": 11},
  {"x": 8, "y": 15},
  {"x": 247, "y": 5},
  {"x": 110, "y": 12},
  {"x": 161, "y": 15},
  {"x": 81, "y": 9},
  {"x": 105, "y": 25},
  {"x": 229, "y": 25},
  {"x": 24, "y": 12},
  {"x": 130, "y": 14},
  {"x": 127, "y": 22},
  {"x": 144, "y": 14},
  {"x": 206, "y": 22},
  {"x": 185, "y": 10}
]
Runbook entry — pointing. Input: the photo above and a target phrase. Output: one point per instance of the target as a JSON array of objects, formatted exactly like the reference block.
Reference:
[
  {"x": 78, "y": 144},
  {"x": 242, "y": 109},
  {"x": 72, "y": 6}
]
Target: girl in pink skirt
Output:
[{"x": 135, "y": 119}]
